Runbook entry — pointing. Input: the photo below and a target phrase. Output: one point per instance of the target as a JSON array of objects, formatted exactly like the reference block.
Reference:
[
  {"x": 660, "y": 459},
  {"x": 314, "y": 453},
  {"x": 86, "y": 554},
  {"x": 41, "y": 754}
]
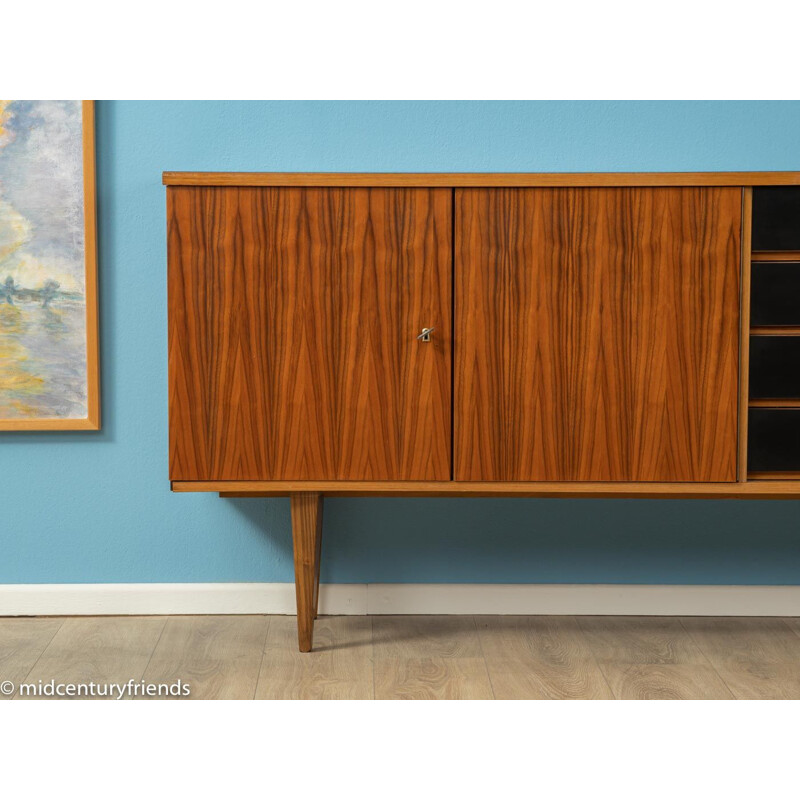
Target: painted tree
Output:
[
  {"x": 8, "y": 290},
  {"x": 49, "y": 291}
]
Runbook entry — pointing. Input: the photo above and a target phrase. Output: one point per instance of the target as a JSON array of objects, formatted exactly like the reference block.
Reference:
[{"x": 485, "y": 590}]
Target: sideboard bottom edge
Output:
[{"x": 761, "y": 489}]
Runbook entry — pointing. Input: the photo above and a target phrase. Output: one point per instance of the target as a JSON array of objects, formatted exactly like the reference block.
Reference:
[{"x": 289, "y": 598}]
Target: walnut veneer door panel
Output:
[
  {"x": 293, "y": 321},
  {"x": 597, "y": 334}
]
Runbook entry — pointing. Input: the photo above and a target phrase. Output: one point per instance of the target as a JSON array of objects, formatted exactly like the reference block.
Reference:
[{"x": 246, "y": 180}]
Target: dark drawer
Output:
[
  {"x": 773, "y": 440},
  {"x": 775, "y": 293},
  {"x": 776, "y": 218},
  {"x": 774, "y": 367}
]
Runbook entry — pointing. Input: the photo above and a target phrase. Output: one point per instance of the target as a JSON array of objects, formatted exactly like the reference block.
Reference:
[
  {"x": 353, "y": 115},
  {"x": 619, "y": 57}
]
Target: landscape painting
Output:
[{"x": 48, "y": 302}]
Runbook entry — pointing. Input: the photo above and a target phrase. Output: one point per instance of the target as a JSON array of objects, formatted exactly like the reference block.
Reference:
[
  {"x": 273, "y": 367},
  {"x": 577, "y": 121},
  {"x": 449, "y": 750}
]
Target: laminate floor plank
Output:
[
  {"x": 540, "y": 658},
  {"x": 425, "y": 636},
  {"x": 793, "y": 623},
  {"x": 430, "y": 658},
  {"x": 219, "y": 657},
  {"x": 666, "y": 682},
  {"x": 338, "y": 668},
  {"x": 22, "y": 642},
  {"x": 432, "y": 678},
  {"x": 415, "y": 657},
  {"x": 757, "y": 657},
  {"x": 101, "y": 650},
  {"x": 640, "y": 640},
  {"x": 651, "y": 658}
]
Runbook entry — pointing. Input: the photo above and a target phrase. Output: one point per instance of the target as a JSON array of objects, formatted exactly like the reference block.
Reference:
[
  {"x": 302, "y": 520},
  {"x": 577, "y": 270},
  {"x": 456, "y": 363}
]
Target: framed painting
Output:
[{"x": 49, "y": 371}]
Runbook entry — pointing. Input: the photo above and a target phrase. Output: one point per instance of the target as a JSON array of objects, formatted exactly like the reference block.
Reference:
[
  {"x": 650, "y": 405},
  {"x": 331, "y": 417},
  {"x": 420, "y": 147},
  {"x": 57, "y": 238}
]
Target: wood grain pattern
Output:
[
  {"x": 774, "y": 489},
  {"x": 293, "y": 323},
  {"x": 22, "y": 642},
  {"x": 775, "y": 255},
  {"x": 526, "y": 657},
  {"x": 744, "y": 327},
  {"x": 427, "y": 658},
  {"x": 597, "y": 334},
  {"x": 771, "y": 476},
  {"x": 781, "y": 403},
  {"x": 793, "y": 623},
  {"x": 339, "y": 668},
  {"x": 428, "y": 636},
  {"x": 668, "y": 682},
  {"x": 432, "y": 678},
  {"x": 99, "y": 649},
  {"x": 307, "y": 542},
  {"x": 218, "y": 656},
  {"x": 757, "y": 658},
  {"x": 540, "y": 658},
  {"x": 775, "y": 330},
  {"x": 645, "y": 658},
  {"x": 640, "y": 640},
  {"x": 481, "y": 179}
]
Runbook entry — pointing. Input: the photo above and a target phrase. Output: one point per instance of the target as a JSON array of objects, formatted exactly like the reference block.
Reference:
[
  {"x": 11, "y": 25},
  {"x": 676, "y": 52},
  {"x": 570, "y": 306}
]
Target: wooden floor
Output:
[{"x": 424, "y": 657}]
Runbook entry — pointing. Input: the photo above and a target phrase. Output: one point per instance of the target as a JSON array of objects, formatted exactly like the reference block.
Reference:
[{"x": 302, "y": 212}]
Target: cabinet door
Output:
[
  {"x": 294, "y": 316},
  {"x": 597, "y": 334}
]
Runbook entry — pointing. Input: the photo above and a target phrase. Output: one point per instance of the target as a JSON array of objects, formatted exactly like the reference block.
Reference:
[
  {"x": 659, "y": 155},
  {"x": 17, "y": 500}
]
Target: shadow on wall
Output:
[
  {"x": 271, "y": 516},
  {"x": 464, "y": 540}
]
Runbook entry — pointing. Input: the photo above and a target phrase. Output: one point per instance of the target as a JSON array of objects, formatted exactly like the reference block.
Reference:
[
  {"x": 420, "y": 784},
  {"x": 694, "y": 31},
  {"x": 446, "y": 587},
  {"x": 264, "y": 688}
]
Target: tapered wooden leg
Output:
[
  {"x": 318, "y": 559},
  {"x": 307, "y": 537}
]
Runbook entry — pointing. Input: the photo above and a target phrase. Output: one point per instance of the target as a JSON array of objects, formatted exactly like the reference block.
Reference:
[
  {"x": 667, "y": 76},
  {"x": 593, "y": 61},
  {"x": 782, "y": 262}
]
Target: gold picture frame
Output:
[{"x": 91, "y": 421}]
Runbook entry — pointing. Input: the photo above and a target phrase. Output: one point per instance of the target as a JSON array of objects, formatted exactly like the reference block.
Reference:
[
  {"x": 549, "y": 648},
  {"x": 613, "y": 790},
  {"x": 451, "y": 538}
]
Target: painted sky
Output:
[{"x": 41, "y": 193}]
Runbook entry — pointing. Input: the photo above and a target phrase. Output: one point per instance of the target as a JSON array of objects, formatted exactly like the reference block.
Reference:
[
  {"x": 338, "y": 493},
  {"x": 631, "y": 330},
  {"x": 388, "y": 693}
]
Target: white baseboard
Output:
[{"x": 399, "y": 598}]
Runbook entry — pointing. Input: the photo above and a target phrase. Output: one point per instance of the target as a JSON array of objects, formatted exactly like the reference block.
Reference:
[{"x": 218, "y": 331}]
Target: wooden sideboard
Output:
[{"x": 578, "y": 335}]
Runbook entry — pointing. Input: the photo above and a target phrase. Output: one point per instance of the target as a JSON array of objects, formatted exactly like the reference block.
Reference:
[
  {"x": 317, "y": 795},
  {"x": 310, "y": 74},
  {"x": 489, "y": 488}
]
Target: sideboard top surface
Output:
[{"x": 481, "y": 179}]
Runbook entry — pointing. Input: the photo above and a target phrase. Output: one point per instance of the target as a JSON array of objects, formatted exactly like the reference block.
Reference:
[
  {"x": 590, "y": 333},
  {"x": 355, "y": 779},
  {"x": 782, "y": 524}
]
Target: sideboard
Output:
[{"x": 553, "y": 335}]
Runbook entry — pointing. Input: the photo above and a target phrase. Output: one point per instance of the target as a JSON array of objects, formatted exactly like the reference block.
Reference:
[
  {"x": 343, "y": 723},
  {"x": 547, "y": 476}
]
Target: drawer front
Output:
[
  {"x": 773, "y": 440},
  {"x": 774, "y": 367}
]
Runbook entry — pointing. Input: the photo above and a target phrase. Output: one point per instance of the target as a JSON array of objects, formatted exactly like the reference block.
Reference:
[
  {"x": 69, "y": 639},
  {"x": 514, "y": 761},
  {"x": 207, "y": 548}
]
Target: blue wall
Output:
[{"x": 97, "y": 508}]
